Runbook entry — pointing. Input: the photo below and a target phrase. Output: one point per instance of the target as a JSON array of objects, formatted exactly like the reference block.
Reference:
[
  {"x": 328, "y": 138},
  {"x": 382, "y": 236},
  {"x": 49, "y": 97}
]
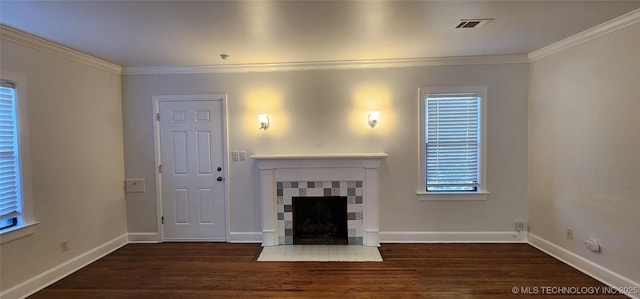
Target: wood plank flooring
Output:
[{"x": 217, "y": 270}]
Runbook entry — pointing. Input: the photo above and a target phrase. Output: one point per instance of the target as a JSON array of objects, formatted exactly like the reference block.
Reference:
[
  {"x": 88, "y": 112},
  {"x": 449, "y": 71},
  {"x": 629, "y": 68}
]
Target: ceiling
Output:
[{"x": 187, "y": 33}]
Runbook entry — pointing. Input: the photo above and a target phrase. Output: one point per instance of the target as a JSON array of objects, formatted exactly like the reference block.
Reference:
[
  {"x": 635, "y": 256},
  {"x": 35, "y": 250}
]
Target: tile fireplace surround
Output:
[{"x": 352, "y": 175}]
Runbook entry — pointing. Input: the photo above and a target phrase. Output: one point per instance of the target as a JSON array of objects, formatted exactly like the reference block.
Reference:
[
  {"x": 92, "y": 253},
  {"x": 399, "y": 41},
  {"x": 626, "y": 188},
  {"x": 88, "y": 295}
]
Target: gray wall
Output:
[
  {"x": 331, "y": 107},
  {"x": 584, "y": 145}
]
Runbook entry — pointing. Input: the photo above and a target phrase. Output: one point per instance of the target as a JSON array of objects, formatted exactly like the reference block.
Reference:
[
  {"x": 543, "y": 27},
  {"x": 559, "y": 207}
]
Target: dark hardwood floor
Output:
[{"x": 215, "y": 270}]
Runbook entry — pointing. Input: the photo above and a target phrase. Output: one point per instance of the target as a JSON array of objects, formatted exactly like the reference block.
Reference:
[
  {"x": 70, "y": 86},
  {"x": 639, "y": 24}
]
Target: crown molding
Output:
[
  {"x": 587, "y": 35},
  {"x": 324, "y": 65},
  {"x": 25, "y": 39}
]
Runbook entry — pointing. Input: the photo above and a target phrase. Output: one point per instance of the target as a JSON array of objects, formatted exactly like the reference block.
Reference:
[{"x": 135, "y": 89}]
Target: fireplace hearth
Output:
[{"x": 320, "y": 220}]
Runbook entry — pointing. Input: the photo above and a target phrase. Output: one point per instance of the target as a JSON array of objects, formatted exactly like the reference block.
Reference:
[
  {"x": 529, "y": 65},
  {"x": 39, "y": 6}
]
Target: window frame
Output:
[
  {"x": 26, "y": 222},
  {"x": 481, "y": 193}
]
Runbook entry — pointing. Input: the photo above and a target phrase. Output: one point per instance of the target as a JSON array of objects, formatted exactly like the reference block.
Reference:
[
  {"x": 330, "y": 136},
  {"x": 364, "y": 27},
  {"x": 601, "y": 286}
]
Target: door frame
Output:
[{"x": 156, "y": 100}]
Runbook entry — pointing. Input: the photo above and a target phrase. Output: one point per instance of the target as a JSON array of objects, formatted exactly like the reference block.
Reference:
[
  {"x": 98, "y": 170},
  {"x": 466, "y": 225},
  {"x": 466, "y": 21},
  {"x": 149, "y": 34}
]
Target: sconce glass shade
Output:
[
  {"x": 373, "y": 118},
  {"x": 264, "y": 121}
]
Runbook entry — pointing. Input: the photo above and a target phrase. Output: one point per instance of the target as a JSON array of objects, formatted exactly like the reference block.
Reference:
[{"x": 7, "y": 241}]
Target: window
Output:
[
  {"x": 16, "y": 207},
  {"x": 453, "y": 132},
  {"x": 10, "y": 199},
  {"x": 452, "y": 140}
]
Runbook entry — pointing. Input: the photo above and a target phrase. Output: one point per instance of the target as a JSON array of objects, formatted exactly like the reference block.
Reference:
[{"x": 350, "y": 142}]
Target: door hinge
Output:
[
  {"x": 158, "y": 116},
  {"x": 160, "y": 168},
  {"x": 162, "y": 219}
]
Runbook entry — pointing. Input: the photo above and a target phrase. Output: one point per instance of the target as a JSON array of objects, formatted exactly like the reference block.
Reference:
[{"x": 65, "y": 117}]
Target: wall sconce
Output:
[
  {"x": 373, "y": 118},
  {"x": 264, "y": 121}
]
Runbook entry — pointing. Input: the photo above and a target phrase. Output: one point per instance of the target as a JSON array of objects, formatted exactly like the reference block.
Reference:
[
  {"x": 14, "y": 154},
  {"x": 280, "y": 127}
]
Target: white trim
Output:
[
  {"x": 15, "y": 233},
  {"x": 583, "y": 265},
  {"x": 452, "y": 196},
  {"x": 203, "y": 240},
  {"x": 320, "y": 156},
  {"x": 157, "y": 162},
  {"x": 269, "y": 236},
  {"x": 144, "y": 238},
  {"x": 325, "y": 65},
  {"x": 225, "y": 161},
  {"x": 245, "y": 237},
  {"x": 587, "y": 35},
  {"x": 37, "y": 43},
  {"x": 227, "y": 166},
  {"x": 56, "y": 273},
  {"x": 270, "y": 162},
  {"x": 452, "y": 237}
]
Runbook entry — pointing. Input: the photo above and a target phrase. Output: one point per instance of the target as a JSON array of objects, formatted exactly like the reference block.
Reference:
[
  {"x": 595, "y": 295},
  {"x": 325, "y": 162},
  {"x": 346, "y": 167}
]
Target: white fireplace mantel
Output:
[
  {"x": 319, "y": 167},
  {"x": 320, "y": 156}
]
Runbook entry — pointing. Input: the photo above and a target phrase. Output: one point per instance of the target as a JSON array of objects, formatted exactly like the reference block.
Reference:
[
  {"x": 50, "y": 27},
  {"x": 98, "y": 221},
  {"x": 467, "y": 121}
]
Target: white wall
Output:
[
  {"x": 331, "y": 107},
  {"x": 584, "y": 150},
  {"x": 75, "y": 124}
]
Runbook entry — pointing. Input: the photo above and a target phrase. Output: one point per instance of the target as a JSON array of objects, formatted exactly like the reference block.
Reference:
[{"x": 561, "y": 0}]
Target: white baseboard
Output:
[
  {"x": 144, "y": 238},
  {"x": 245, "y": 237},
  {"x": 234, "y": 237},
  {"x": 54, "y": 274},
  {"x": 452, "y": 237},
  {"x": 584, "y": 265}
]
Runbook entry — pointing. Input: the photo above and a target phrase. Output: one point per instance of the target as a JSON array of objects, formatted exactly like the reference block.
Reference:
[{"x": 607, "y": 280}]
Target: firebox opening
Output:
[{"x": 320, "y": 220}]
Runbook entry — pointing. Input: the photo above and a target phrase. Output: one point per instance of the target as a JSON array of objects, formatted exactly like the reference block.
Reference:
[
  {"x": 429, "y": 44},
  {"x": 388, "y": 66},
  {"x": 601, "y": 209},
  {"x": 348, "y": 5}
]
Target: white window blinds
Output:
[
  {"x": 452, "y": 141},
  {"x": 9, "y": 160}
]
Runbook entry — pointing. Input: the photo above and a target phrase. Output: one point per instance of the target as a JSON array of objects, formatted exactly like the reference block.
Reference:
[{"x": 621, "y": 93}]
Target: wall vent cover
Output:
[{"x": 473, "y": 23}]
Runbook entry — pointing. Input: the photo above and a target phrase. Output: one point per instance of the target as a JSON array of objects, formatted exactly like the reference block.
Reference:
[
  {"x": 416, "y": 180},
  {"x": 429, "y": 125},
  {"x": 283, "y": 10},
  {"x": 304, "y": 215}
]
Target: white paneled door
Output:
[{"x": 193, "y": 188}]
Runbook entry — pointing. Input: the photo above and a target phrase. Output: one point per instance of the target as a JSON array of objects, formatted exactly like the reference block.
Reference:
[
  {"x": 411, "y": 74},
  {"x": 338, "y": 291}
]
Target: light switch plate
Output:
[{"x": 134, "y": 186}]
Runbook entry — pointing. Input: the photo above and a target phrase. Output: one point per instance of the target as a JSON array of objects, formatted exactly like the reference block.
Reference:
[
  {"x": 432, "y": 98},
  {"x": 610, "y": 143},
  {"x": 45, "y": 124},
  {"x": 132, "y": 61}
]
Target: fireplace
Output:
[
  {"x": 320, "y": 220},
  {"x": 353, "y": 191},
  {"x": 350, "y": 176}
]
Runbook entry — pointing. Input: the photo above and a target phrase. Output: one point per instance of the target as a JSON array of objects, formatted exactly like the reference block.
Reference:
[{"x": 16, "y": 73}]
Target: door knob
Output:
[{"x": 219, "y": 179}]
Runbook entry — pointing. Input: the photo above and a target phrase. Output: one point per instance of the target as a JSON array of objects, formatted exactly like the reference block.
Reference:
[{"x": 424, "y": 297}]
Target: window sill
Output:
[
  {"x": 452, "y": 196},
  {"x": 17, "y": 232}
]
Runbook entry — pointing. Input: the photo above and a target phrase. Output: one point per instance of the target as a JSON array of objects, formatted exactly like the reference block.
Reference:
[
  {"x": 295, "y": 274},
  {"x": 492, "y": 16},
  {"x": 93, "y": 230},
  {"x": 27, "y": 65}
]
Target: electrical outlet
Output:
[
  {"x": 243, "y": 155},
  {"x": 64, "y": 246},
  {"x": 569, "y": 233},
  {"x": 519, "y": 225},
  {"x": 235, "y": 155}
]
